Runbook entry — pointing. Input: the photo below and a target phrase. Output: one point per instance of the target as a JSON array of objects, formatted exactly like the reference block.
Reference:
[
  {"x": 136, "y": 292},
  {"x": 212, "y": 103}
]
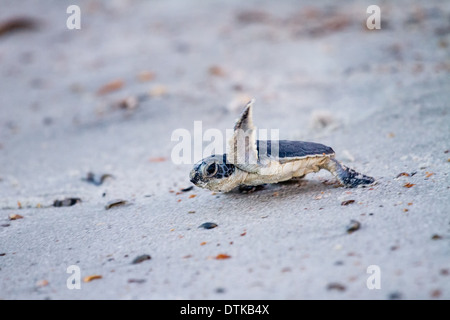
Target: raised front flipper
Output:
[{"x": 242, "y": 151}]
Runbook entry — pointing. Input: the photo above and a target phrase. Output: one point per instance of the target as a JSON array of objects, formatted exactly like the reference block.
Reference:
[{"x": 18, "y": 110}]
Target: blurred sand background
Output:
[{"x": 106, "y": 98}]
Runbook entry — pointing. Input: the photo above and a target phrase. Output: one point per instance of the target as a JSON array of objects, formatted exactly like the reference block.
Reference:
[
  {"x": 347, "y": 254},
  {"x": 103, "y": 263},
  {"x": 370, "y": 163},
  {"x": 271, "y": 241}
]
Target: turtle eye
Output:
[{"x": 211, "y": 170}]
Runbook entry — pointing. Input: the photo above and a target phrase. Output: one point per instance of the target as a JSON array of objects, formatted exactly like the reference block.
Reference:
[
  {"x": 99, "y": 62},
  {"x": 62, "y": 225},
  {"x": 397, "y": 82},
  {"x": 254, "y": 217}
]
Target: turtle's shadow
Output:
[{"x": 287, "y": 189}]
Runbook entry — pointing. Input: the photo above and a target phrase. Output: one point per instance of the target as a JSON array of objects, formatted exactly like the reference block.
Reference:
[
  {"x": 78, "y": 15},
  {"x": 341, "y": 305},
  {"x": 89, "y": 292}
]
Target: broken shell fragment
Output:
[
  {"x": 347, "y": 202},
  {"x": 115, "y": 203},
  {"x": 222, "y": 256},
  {"x": 15, "y": 216},
  {"x": 92, "y": 277},
  {"x": 187, "y": 189}
]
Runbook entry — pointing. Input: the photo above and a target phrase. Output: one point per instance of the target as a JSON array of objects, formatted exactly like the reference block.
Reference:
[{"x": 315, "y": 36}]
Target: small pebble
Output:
[
  {"x": 208, "y": 225},
  {"x": 336, "y": 286},
  {"x": 42, "y": 283},
  {"x": 67, "y": 202},
  {"x": 395, "y": 295},
  {"x": 141, "y": 258},
  {"x": 96, "y": 179},
  {"x": 136, "y": 280},
  {"x": 353, "y": 226},
  {"x": 436, "y": 293},
  {"x": 128, "y": 103}
]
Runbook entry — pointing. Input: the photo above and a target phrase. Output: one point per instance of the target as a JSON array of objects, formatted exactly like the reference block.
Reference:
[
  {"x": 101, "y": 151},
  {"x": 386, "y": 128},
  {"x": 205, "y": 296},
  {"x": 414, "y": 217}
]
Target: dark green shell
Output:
[{"x": 293, "y": 149}]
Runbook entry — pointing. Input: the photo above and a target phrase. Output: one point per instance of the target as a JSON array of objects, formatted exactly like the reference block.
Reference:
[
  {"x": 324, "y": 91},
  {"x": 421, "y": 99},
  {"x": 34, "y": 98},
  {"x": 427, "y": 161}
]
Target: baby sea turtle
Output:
[{"x": 251, "y": 162}]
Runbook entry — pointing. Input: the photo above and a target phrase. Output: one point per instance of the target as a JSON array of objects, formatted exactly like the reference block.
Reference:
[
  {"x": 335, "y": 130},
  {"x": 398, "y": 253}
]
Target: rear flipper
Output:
[{"x": 346, "y": 176}]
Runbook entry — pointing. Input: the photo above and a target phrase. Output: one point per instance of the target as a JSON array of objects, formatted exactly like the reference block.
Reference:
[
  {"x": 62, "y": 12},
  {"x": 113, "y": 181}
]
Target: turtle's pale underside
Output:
[{"x": 251, "y": 162}]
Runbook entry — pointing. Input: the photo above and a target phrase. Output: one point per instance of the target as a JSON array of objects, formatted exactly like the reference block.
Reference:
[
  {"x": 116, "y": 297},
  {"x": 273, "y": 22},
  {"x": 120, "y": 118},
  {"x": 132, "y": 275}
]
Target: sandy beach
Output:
[{"x": 89, "y": 193}]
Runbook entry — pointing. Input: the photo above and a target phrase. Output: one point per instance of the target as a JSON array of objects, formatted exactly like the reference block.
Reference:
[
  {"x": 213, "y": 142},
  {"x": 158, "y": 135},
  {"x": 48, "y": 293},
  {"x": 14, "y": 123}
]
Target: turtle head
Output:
[{"x": 214, "y": 173}]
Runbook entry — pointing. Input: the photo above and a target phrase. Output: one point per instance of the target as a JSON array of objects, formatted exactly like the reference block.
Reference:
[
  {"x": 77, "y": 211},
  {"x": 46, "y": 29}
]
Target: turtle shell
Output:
[{"x": 291, "y": 150}]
